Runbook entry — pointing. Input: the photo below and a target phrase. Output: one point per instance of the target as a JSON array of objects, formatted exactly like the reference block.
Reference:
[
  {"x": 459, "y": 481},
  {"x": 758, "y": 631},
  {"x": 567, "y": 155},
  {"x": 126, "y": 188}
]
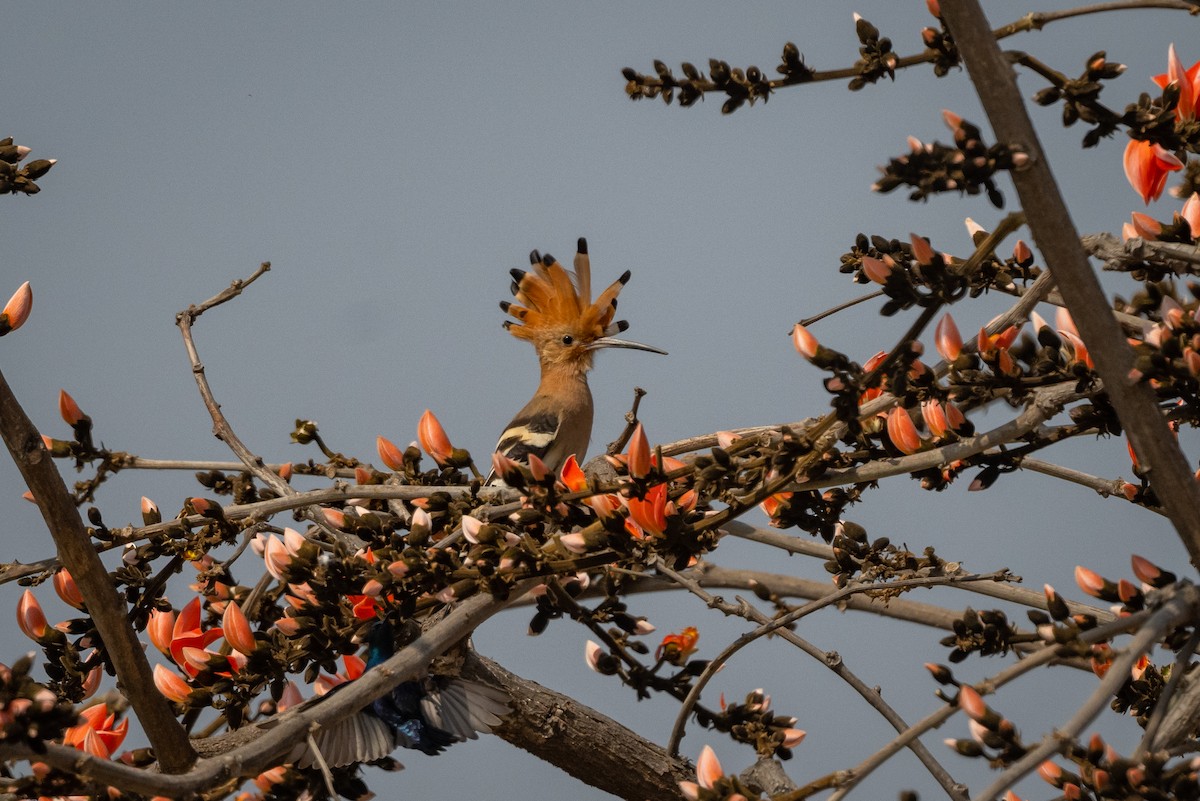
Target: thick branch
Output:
[
  {"x": 105, "y": 606},
  {"x": 1056, "y": 237},
  {"x": 579, "y": 740}
]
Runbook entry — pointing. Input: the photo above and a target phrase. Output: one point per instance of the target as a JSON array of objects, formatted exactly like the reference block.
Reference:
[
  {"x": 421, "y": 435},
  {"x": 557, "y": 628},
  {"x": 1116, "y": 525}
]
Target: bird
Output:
[
  {"x": 427, "y": 715},
  {"x": 554, "y": 312}
]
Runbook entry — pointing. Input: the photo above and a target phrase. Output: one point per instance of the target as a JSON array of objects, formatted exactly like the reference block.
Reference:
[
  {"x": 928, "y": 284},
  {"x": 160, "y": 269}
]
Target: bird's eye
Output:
[{"x": 567, "y": 339}]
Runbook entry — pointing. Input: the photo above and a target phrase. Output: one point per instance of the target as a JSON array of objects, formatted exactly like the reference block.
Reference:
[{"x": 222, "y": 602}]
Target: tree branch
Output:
[{"x": 1056, "y": 237}]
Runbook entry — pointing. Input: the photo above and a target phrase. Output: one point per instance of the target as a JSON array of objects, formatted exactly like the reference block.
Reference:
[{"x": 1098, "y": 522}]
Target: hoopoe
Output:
[{"x": 558, "y": 317}]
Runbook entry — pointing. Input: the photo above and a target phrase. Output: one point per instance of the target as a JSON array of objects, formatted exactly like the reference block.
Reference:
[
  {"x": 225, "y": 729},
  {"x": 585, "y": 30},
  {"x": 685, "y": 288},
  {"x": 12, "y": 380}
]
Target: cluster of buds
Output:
[
  {"x": 1079, "y": 96},
  {"x": 752, "y": 722},
  {"x": 1099, "y": 771},
  {"x": 1168, "y": 354},
  {"x": 940, "y": 42},
  {"x": 876, "y": 59},
  {"x": 713, "y": 785},
  {"x": 15, "y": 179},
  {"x": 30, "y": 713},
  {"x": 985, "y": 633},
  {"x": 740, "y": 86},
  {"x": 993, "y": 736},
  {"x": 1139, "y": 695},
  {"x": 874, "y": 561},
  {"x": 967, "y": 167}
]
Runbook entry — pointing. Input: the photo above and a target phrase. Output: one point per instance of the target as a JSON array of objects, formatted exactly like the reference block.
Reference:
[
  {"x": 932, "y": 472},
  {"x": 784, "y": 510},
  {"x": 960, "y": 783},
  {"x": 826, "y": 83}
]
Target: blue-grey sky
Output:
[{"x": 394, "y": 161}]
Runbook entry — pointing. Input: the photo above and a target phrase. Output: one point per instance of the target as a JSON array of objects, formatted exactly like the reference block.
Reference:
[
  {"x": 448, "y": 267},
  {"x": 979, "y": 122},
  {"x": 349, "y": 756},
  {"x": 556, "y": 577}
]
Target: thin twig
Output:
[
  {"x": 1181, "y": 606},
  {"x": 830, "y": 659}
]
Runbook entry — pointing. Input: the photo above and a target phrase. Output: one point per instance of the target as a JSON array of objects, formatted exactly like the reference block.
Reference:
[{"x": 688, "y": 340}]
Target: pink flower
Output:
[{"x": 1147, "y": 166}]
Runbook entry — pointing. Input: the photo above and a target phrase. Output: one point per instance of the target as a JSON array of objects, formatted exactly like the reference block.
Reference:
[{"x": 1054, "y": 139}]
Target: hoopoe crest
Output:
[{"x": 554, "y": 312}]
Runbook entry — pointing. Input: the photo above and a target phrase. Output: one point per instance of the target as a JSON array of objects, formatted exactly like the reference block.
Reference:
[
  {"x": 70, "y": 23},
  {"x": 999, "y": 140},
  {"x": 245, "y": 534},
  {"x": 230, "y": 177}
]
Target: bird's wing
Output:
[
  {"x": 359, "y": 738},
  {"x": 530, "y": 433},
  {"x": 462, "y": 708}
]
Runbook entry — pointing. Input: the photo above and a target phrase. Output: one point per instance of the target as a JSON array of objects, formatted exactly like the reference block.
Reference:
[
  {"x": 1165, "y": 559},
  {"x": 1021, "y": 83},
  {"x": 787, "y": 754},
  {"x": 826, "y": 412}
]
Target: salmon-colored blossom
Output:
[
  {"x": 902, "y": 432},
  {"x": 95, "y": 733},
  {"x": 16, "y": 311},
  {"x": 433, "y": 438},
  {"x": 805, "y": 343},
  {"x": 186, "y": 633},
  {"x": 1147, "y": 166},
  {"x": 947, "y": 338},
  {"x": 31, "y": 618},
  {"x": 637, "y": 459},
  {"x": 171, "y": 685},
  {"x": 391, "y": 456},
  {"x": 67, "y": 589},
  {"x": 237, "y": 629},
  {"x": 708, "y": 769},
  {"x": 68, "y": 409}
]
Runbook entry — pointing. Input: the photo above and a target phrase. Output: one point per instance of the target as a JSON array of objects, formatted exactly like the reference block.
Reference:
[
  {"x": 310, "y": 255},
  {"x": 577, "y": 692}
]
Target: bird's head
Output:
[{"x": 555, "y": 313}]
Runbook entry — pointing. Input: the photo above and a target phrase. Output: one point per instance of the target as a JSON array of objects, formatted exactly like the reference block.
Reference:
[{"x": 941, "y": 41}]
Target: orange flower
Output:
[
  {"x": 948, "y": 340},
  {"x": 572, "y": 476},
  {"x": 68, "y": 409},
  {"x": 186, "y": 633},
  {"x": 171, "y": 685},
  {"x": 96, "y": 733},
  {"x": 1188, "y": 82},
  {"x": 391, "y": 456},
  {"x": 16, "y": 311},
  {"x": 1147, "y": 166},
  {"x": 902, "y": 432},
  {"x": 67, "y": 589},
  {"x": 638, "y": 459},
  {"x": 676, "y": 648},
  {"x": 650, "y": 514},
  {"x": 237, "y": 630}
]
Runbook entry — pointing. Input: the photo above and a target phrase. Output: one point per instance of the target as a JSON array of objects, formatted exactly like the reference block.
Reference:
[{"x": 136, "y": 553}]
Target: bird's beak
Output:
[{"x": 613, "y": 342}]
